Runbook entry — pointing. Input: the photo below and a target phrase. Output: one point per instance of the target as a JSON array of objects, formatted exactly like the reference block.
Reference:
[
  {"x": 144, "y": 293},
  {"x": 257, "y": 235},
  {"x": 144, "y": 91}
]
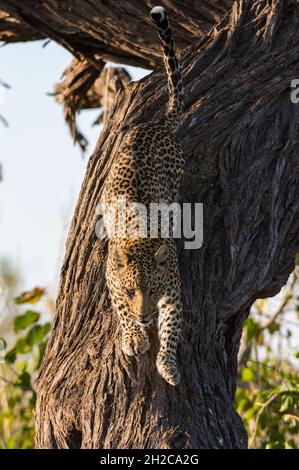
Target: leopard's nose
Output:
[
  {"x": 144, "y": 320},
  {"x": 142, "y": 305}
]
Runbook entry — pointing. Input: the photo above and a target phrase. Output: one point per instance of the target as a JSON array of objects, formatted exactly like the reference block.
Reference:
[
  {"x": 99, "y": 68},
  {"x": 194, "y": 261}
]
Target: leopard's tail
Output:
[{"x": 175, "y": 86}]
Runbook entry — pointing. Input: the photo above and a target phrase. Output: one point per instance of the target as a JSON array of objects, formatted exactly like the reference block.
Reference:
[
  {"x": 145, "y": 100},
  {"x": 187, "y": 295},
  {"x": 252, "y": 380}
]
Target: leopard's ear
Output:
[
  {"x": 121, "y": 258},
  {"x": 161, "y": 257}
]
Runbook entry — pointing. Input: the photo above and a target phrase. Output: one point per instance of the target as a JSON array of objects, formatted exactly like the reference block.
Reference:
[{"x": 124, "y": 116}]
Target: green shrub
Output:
[{"x": 18, "y": 369}]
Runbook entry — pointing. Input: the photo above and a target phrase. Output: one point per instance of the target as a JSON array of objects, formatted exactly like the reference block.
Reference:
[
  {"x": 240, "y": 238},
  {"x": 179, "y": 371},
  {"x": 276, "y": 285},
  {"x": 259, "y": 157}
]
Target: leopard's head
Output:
[{"x": 142, "y": 266}]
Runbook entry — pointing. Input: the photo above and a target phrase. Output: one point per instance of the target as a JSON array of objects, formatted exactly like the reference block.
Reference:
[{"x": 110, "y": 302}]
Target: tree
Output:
[
  {"x": 240, "y": 137},
  {"x": 102, "y": 31}
]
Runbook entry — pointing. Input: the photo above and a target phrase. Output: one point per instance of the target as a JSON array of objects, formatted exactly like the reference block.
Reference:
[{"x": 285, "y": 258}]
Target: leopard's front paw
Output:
[
  {"x": 167, "y": 368},
  {"x": 135, "y": 344}
]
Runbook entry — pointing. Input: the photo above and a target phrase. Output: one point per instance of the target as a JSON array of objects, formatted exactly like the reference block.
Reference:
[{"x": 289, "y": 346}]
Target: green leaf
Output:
[
  {"x": 261, "y": 339},
  {"x": 41, "y": 348},
  {"x": 288, "y": 295},
  {"x": 264, "y": 419},
  {"x": 286, "y": 404},
  {"x": 252, "y": 329},
  {"x": 24, "y": 381},
  {"x": 250, "y": 413},
  {"x": 247, "y": 375},
  {"x": 10, "y": 357},
  {"x": 290, "y": 445},
  {"x": 23, "y": 321},
  {"x": 37, "y": 333},
  {"x": 273, "y": 328},
  {"x": 22, "y": 347},
  {"x": 2, "y": 348}
]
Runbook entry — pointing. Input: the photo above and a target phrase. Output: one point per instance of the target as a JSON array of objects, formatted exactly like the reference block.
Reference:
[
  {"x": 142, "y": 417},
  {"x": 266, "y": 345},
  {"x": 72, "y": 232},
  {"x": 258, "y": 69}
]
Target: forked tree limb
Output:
[{"x": 241, "y": 139}]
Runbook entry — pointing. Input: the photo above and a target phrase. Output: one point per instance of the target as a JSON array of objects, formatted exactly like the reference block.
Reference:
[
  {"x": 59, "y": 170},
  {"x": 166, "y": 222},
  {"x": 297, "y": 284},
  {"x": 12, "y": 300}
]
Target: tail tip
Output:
[{"x": 158, "y": 14}]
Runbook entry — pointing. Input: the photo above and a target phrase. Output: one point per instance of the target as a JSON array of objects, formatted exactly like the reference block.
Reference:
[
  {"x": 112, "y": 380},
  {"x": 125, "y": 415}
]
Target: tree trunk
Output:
[{"x": 241, "y": 141}]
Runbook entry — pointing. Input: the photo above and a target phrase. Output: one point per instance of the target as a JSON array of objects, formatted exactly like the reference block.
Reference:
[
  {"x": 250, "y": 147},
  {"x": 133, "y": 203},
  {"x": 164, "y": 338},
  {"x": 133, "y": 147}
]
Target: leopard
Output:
[{"x": 142, "y": 272}]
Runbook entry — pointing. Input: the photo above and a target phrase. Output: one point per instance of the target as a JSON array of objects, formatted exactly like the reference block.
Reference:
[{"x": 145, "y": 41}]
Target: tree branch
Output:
[
  {"x": 13, "y": 30},
  {"x": 109, "y": 31}
]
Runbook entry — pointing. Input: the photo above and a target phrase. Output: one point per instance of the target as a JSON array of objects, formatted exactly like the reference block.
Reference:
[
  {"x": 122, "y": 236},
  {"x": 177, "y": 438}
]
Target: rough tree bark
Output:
[
  {"x": 101, "y": 30},
  {"x": 241, "y": 141}
]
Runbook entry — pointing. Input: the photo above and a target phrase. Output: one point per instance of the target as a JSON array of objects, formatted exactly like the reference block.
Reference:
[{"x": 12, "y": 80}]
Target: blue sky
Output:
[{"x": 42, "y": 169}]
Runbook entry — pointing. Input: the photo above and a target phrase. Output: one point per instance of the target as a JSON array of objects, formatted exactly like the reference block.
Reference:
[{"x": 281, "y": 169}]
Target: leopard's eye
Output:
[
  {"x": 154, "y": 289},
  {"x": 131, "y": 292}
]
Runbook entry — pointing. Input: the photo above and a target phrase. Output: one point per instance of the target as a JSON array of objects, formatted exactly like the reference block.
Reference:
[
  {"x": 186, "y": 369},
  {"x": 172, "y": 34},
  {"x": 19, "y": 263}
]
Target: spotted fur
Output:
[{"x": 142, "y": 273}]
